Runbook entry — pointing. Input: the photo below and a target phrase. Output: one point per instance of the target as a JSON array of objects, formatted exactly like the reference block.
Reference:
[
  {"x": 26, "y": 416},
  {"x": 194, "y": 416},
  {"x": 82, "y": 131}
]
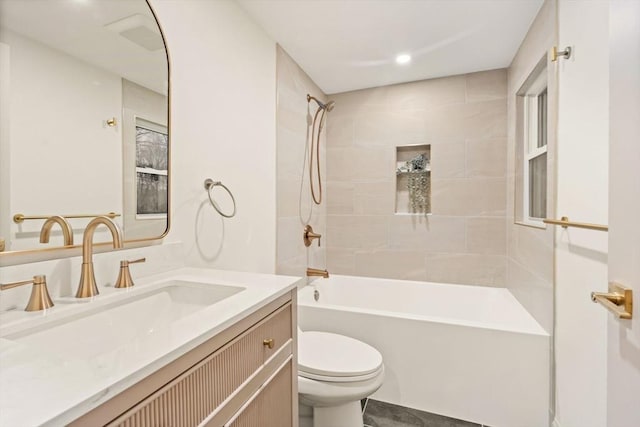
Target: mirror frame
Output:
[{"x": 58, "y": 252}]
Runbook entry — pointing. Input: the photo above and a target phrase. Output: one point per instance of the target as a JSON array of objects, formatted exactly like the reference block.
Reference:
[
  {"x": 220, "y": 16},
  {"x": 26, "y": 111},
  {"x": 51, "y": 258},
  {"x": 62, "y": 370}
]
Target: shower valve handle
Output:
[{"x": 309, "y": 235}]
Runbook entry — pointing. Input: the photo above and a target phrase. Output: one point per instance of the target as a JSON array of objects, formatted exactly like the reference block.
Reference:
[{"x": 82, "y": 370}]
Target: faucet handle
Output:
[
  {"x": 40, "y": 299},
  {"x": 124, "y": 279},
  {"x": 309, "y": 235}
]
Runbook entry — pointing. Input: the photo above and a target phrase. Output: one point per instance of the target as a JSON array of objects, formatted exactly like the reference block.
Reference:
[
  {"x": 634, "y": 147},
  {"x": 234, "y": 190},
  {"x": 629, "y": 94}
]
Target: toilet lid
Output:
[{"x": 330, "y": 355}]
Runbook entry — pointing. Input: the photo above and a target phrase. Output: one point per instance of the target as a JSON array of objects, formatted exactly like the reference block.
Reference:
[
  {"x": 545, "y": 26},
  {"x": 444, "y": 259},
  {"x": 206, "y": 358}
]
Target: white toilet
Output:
[{"x": 334, "y": 373}]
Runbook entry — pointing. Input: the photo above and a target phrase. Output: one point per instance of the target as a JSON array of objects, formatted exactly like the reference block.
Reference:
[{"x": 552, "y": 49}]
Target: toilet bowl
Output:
[{"x": 334, "y": 373}]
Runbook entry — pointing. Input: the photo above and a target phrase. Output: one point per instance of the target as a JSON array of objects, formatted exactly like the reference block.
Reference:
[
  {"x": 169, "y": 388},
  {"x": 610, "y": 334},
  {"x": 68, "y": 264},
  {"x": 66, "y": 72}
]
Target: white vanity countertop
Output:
[{"x": 44, "y": 385}]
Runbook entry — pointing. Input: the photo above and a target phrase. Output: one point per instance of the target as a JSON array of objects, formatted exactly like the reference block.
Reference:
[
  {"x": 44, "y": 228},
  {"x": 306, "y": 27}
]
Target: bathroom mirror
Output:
[{"x": 84, "y": 123}]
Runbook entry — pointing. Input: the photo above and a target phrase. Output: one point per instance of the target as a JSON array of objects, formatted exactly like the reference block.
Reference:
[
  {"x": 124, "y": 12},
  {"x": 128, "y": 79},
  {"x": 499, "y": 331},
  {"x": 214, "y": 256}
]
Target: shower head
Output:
[{"x": 328, "y": 106}]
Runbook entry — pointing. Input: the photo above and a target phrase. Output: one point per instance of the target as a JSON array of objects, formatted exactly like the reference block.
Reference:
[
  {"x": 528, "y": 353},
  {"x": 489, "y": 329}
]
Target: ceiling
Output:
[{"x": 346, "y": 45}]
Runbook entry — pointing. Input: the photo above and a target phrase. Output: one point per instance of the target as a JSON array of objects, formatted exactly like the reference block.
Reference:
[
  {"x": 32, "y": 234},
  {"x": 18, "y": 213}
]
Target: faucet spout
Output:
[
  {"x": 317, "y": 272},
  {"x": 87, "y": 287},
  {"x": 67, "y": 231}
]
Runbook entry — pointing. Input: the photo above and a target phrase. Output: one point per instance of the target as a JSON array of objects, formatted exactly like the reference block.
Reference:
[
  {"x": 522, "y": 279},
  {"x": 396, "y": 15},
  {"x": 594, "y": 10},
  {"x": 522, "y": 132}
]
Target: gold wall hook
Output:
[
  {"x": 112, "y": 122},
  {"x": 555, "y": 53},
  {"x": 619, "y": 300}
]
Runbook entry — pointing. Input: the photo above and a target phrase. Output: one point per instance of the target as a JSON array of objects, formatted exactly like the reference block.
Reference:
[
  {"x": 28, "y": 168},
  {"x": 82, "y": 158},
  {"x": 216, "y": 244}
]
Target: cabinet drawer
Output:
[
  {"x": 192, "y": 396},
  {"x": 269, "y": 406}
]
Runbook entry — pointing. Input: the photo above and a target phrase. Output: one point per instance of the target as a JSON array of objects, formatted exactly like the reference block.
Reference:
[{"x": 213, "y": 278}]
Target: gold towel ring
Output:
[{"x": 208, "y": 185}]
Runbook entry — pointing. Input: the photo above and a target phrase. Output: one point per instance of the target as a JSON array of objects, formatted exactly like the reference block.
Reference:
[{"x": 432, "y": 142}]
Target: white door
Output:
[{"x": 623, "y": 336}]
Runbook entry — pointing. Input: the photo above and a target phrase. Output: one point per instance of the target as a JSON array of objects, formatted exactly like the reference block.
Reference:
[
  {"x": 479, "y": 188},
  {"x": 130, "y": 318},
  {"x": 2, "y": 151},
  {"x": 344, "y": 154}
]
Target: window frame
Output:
[{"x": 530, "y": 149}]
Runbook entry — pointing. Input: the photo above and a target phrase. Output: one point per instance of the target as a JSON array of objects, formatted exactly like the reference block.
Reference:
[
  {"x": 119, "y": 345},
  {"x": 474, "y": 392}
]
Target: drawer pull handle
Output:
[{"x": 268, "y": 343}]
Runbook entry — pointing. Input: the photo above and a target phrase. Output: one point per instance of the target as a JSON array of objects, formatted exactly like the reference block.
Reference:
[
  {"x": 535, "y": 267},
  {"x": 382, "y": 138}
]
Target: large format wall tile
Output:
[
  {"x": 374, "y": 197},
  {"x": 463, "y": 119},
  {"x": 342, "y": 261},
  {"x": 487, "y": 270},
  {"x": 486, "y": 158},
  {"x": 448, "y": 159},
  {"x": 487, "y": 236},
  {"x": 427, "y": 233},
  {"x": 487, "y": 85},
  {"x": 406, "y": 265},
  {"x": 469, "y": 197},
  {"x": 292, "y": 88},
  {"x": 356, "y": 232},
  {"x": 534, "y": 290}
]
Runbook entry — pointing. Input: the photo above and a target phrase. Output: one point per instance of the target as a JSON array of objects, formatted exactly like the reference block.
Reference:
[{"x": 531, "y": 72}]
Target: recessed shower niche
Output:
[{"x": 413, "y": 179}]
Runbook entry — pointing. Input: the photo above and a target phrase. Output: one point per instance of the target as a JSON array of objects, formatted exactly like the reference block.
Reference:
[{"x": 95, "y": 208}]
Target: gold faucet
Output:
[
  {"x": 67, "y": 231},
  {"x": 317, "y": 272},
  {"x": 40, "y": 299},
  {"x": 87, "y": 287}
]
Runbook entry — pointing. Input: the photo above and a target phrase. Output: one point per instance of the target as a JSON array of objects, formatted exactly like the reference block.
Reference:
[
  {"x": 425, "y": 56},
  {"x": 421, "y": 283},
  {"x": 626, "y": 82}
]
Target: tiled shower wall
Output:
[
  {"x": 464, "y": 119},
  {"x": 293, "y": 85},
  {"x": 530, "y": 251}
]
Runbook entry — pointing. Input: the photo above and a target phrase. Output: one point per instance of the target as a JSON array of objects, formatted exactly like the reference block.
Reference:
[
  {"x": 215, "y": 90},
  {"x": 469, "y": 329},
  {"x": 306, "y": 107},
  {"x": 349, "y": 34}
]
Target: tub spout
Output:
[{"x": 317, "y": 272}]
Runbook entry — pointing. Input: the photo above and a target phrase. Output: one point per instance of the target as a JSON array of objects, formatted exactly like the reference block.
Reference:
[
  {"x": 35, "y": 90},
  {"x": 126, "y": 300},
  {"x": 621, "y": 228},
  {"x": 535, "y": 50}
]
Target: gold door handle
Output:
[
  {"x": 619, "y": 300},
  {"x": 268, "y": 342}
]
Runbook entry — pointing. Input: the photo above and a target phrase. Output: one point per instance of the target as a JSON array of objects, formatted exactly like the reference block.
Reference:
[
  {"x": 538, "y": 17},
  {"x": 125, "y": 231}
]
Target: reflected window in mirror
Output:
[{"x": 151, "y": 169}]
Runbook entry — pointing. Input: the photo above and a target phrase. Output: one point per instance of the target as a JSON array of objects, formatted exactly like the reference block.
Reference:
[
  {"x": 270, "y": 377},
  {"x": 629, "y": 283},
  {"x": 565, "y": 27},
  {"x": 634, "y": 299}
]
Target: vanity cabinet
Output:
[{"x": 244, "y": 376}]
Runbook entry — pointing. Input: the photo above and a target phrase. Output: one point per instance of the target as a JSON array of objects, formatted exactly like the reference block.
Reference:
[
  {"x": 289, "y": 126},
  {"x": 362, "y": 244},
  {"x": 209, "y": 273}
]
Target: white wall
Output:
[
  {"x": 623, "y": 336},
  {"x": 581, "y": 255},
  {"x": 57, "y": 108},
  {"x": 223, "y": 100}
]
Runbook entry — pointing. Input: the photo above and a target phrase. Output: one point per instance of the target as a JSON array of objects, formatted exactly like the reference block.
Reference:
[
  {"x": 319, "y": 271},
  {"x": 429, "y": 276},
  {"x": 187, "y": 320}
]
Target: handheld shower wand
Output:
[{"x": 321, "y": 111}]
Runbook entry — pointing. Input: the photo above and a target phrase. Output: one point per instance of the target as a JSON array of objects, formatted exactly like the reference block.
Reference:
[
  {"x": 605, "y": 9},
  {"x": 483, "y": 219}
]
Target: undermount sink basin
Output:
[{"x": 128, "y": 323}]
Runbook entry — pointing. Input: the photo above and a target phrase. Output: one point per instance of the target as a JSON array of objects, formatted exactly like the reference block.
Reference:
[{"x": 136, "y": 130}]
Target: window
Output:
[
  {"x": 532, "y": 115},
  {"x": 151, "y": 169}
]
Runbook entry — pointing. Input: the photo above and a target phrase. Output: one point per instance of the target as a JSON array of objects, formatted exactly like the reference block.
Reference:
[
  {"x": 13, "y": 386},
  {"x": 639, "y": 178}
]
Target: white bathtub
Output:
[{"x": 467, "y": 352}]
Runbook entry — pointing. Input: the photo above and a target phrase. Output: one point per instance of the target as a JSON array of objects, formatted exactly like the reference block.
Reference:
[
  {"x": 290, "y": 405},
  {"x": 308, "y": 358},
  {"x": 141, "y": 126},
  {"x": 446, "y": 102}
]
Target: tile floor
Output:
[{"x": 382, "y": 414}]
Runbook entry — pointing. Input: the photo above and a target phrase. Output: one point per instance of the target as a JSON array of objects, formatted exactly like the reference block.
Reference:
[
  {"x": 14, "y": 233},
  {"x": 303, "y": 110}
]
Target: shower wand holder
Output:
[{"x": 309, "y": 236}]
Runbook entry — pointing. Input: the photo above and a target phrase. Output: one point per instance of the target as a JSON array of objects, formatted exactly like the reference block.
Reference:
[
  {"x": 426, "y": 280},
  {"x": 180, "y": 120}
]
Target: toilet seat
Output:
[{"x": 324, "y": 356}]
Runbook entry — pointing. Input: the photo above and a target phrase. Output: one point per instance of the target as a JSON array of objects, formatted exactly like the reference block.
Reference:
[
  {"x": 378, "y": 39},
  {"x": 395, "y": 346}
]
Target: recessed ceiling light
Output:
[{"x": 403, "y": 58}]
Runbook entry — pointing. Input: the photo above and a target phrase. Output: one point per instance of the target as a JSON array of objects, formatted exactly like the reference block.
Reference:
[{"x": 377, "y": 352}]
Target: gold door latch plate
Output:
[{"x": 619, "y": 300}]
